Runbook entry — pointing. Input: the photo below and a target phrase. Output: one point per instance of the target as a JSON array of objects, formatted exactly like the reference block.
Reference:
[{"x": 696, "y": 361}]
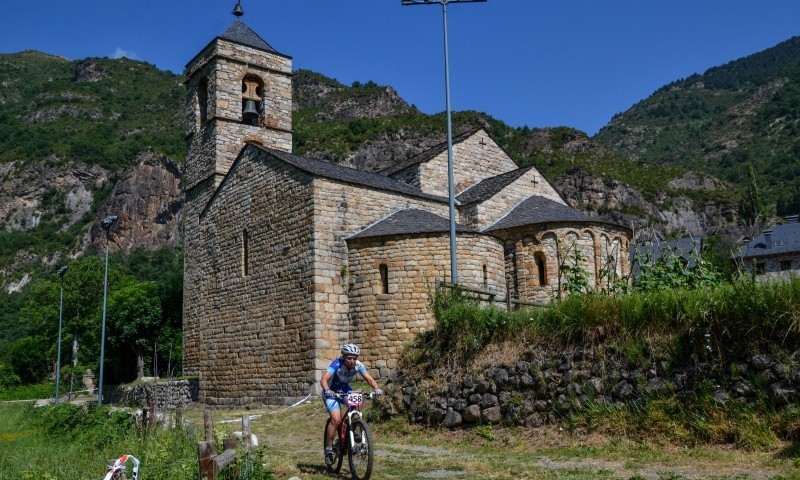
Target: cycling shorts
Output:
[{"x": 331, "y": 404}]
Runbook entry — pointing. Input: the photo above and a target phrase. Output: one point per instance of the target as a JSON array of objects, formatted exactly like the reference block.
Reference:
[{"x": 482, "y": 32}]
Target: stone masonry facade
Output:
[
  {"x": 287, "y": 258},
  {"x": 385, "y": 318},
  {"x": 478, "y": 157}
]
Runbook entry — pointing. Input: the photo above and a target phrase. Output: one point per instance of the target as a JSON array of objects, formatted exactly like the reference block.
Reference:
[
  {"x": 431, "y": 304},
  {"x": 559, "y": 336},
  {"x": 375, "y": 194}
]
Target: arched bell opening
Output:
[{"x": 252, "y": 99}]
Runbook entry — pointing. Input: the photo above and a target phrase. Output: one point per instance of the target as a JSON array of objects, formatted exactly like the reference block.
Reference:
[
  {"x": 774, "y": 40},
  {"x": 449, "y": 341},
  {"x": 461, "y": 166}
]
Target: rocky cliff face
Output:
[
  {"x": 665, "y": 216},
  {"x": 147, "y": 201}
]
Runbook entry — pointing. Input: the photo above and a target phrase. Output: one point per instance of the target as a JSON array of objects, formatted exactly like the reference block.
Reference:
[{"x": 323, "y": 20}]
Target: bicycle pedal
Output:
[{"x": 329, "y": 458}]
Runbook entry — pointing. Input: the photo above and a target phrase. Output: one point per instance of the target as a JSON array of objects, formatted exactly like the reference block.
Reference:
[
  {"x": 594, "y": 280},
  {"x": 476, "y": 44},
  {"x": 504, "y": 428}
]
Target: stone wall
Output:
[
  {"x": 172, "y": 394},
  {"x": 340, "y": 210},
  {"x": 546, "y": 386},
  {"x": 474, "y": 159},
  {"x": 778, "y": 267},
  {"x": 255, "y": 318},
  {"x": 531, "y": 183},
  {"x": 383, "y": 321},
  {"x": 604, "y": 249}
]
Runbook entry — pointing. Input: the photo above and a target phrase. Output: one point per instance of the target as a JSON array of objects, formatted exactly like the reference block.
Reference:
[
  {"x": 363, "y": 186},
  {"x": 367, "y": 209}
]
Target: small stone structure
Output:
[
  {"x": 165, "y": 395},
  {"x": 287, "y": 257}
]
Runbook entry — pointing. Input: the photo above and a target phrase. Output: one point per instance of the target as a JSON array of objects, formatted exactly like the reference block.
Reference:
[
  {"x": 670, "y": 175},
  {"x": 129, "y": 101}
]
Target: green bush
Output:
[
  {"x": 724, "y": 321},
  {"x": 8, "y": 378},
  {"x": 30, "y": 360}
]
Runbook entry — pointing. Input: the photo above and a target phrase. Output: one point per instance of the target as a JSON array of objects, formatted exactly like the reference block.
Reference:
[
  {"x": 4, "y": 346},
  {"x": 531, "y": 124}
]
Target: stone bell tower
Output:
[{"x": 238, "y": 90}]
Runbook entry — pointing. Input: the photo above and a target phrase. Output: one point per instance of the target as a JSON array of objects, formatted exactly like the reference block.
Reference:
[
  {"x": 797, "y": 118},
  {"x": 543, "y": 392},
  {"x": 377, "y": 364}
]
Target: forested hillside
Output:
[{"x": 744, "y": 112}]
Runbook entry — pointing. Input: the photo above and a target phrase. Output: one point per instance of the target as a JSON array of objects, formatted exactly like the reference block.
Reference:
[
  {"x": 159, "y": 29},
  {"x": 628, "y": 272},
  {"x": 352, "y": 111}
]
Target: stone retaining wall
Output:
[
  {"x": 540, "y": 391},
  {"x": 174, "y": 394}
]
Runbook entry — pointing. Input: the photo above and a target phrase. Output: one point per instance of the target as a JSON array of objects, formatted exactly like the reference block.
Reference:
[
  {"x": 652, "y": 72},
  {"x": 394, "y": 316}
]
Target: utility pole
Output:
[
  {"x": 106, "y": 224},
  {"x": 61, "y": 272},
  {"x": 450, "y": 180}
]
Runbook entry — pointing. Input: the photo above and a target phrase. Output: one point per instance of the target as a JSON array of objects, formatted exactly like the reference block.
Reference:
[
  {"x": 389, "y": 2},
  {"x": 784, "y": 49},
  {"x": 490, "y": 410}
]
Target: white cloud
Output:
[{"x": 121, "y": 52}]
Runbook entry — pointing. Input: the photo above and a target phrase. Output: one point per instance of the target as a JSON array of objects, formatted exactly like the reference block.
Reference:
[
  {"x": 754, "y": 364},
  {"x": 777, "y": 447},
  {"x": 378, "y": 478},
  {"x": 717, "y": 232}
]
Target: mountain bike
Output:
[{"x": 354, "y": 437}]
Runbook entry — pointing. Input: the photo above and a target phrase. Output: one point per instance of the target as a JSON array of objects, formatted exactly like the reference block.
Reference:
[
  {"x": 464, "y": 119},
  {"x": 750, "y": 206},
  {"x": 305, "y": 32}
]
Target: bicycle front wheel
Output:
[
  {"x": 338, "y": 454},
  {"x": 360, "y": 454}
]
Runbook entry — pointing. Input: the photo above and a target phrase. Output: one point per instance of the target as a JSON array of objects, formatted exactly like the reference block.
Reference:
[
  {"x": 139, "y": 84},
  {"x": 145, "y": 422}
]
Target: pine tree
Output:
[{"x": 752, "y": 208}]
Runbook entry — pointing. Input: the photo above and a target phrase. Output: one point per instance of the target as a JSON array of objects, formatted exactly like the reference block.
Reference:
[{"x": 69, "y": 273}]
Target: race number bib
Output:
[{"x": 354, "y": 399}]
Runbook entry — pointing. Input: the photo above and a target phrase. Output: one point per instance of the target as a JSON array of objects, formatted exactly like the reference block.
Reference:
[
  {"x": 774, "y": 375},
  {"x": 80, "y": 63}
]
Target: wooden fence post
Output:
[
  {"x": 208, "y": 427},
  {"x": 206, "y": 449}
]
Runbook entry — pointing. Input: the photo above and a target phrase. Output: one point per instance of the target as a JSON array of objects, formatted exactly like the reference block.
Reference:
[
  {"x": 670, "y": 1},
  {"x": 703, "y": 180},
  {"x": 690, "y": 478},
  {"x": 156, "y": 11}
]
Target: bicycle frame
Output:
[{"x": 353, "y": 413}]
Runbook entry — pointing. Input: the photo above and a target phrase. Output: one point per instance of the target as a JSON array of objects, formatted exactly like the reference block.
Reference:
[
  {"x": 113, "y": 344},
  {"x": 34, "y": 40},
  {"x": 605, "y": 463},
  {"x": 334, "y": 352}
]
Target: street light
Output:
[
  {"x": 106, "y": 224},
  {"x": 450, "y": 182},
  {"x": 61, "y": 272}
]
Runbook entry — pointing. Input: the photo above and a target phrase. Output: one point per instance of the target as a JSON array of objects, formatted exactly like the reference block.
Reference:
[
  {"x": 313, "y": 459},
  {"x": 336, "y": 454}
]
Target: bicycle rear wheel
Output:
[
  {"x": 338, "y": 451},
  {"x": 360, "y": 455}
]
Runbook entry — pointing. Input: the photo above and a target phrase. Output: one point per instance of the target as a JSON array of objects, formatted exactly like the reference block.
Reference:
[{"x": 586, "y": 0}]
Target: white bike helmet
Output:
[{"x": 350, "y": 349}]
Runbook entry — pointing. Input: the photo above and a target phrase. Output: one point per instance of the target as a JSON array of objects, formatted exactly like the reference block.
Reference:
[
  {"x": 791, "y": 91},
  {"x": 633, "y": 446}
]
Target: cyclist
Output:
[{"x": 337, "y": 379}]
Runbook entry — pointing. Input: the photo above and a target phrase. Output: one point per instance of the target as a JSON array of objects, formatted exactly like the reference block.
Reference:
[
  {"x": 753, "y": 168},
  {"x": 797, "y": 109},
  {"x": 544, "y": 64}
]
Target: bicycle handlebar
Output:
[{"x": 342, "y": 396}]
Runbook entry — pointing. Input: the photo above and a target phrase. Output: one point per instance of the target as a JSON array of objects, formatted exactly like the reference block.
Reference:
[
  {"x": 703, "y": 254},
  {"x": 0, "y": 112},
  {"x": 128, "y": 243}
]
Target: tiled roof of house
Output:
[
  {"x": 347, "y": 174},
  {"x": 427, "y": 154},
  {"x": 410, "y": 221},
  {"x": 538, "y": 209},
  {"x": 240, "y": 33},
  {"x": 785, "y": 239},
  {"x": 489, "y": 187}
]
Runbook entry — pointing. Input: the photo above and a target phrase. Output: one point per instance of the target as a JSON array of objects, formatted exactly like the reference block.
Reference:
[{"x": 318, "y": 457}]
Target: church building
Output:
[{"x": 287, "y": 257}]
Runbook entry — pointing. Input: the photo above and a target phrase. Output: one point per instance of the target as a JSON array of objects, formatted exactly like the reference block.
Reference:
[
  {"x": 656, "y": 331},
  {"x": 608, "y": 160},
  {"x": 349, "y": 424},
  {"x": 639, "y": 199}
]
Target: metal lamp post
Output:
[
  {"x": 61, "y": 272},
  {"x": 450, "y": 181},
  {"x": 106, "y": 224}
]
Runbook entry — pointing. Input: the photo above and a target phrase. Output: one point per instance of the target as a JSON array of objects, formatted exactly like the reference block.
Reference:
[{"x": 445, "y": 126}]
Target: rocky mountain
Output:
[
  {"x": 82, "y": 139},
  {"x": 744, "y": 112}
]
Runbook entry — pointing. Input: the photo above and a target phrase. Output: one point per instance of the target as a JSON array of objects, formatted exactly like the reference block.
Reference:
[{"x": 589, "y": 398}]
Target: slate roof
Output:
[
  {"x": 538, "y": 209},
  {"x": 681, "y": 247},
  {"x": 410, "y": 221},
  {"x": 489, "y": 187},
  {"x": 240, "y": 33},
  {"x": 785, "y": 240},
  {"x": 427, "y": 154},
  {"x": 347, "y": 174}
]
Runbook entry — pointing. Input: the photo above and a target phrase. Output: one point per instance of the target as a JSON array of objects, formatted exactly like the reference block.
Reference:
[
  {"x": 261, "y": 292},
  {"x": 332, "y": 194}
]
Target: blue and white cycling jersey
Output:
[{"x": 340, "y": 382}]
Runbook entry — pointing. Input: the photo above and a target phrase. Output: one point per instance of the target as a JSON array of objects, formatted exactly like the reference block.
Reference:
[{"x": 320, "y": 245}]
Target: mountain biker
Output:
[{"x": 337, "y": 379}]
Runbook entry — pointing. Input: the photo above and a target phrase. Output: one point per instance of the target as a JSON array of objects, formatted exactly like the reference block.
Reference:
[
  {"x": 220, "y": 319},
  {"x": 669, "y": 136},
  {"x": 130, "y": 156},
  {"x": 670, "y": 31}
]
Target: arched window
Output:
[
  {"x": 252, "y": 94},
  {"x": 485, "y": 277},
  {"x": 202, "y": 101},
  {"x": 541, "y": 267}
]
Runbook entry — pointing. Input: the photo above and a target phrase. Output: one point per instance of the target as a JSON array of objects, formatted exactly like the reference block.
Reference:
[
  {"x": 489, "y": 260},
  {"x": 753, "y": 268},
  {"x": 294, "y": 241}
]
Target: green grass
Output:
[
  {"x": 76, "y": 441},
  {"x": 28, "y": 392}
]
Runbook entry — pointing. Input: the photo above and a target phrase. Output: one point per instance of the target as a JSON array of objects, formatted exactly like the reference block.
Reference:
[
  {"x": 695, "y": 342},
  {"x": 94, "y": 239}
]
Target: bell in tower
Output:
[{"x": 251, "y": 100}]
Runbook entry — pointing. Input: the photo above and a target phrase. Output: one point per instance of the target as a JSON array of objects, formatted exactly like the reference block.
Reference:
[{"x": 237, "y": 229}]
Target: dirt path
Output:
[{"x": 293, "y": 449}]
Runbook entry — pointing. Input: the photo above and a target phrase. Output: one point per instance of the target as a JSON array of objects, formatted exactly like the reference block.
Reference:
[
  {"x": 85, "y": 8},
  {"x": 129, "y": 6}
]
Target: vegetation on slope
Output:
[
  {"x": 744, "y": 112},
  {"x": 95, "y": 111},
  {"x": 714, "y": 330}
]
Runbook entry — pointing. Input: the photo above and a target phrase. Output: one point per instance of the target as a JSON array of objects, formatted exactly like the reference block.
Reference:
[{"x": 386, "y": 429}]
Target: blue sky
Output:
[{"x": 526, "y": 62}]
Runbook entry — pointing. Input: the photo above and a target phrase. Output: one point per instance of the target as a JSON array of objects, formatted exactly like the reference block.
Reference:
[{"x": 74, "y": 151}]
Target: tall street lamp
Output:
[
  {"x": 106, "y": 224},
  {"x": 61, "y": 272},
  {"x": 450, "y": 182}
]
